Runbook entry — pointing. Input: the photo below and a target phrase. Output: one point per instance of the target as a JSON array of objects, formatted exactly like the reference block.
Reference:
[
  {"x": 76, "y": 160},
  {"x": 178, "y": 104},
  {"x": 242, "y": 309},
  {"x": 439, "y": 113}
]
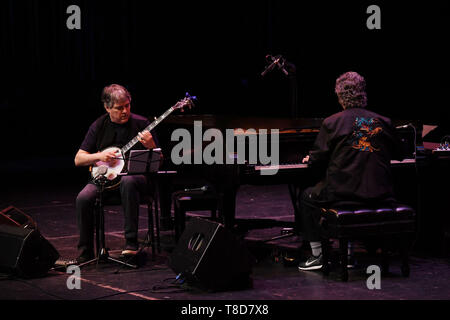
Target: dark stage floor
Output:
[{"x": 53, "y": 209}]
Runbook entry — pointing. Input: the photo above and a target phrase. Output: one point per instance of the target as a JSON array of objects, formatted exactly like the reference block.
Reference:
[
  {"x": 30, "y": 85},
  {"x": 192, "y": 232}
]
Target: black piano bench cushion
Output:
[
  {"x": 349, "y": 221},
  {"x": 393, "y": 222}
]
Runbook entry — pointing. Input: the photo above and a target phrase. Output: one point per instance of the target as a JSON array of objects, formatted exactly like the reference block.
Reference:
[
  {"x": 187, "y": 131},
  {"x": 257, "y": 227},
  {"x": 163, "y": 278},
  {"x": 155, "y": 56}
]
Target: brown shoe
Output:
[{"x": 130, "y": 249}]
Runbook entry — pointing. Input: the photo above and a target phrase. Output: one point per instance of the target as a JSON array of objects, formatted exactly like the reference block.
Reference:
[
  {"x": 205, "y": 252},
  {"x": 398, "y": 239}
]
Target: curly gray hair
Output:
[
  {"x": 113, "y": 93},
  {"x": 351, "y": 90}
]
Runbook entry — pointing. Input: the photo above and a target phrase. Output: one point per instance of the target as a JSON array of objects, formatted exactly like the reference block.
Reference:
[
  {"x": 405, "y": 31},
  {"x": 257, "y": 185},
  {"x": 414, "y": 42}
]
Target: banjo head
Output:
[{"x": 113, "y": 169}]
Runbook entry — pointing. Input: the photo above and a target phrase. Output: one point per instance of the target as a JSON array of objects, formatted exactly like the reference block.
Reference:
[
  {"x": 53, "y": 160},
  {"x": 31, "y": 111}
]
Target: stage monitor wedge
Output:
[
  {"x": 210, "y": 257},
  {"x": 25, "y": 252}
]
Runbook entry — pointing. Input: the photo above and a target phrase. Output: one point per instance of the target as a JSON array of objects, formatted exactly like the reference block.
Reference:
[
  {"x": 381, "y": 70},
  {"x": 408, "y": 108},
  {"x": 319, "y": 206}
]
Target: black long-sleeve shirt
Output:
[{"x": 355, "y": 147}]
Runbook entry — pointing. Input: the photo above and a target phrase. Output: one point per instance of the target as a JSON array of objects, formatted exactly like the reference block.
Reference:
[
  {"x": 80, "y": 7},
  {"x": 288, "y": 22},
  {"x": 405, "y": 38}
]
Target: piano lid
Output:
[{"x": 290, "y": 125}]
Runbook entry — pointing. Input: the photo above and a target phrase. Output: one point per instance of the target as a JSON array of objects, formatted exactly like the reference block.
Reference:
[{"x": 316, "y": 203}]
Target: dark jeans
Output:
[
  {"x": 130, "y": 191},
  {"x": 310, "y": 217}
]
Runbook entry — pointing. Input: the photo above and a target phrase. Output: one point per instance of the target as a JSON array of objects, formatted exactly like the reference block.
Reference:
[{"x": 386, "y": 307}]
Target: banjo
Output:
[{"x": 111, "y": 171}]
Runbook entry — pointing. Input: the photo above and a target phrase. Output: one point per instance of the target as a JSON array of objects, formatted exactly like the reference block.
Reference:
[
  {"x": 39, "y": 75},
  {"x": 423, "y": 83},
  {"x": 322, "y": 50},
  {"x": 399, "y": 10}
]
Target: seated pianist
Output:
[{"x": 354, "y": 149}]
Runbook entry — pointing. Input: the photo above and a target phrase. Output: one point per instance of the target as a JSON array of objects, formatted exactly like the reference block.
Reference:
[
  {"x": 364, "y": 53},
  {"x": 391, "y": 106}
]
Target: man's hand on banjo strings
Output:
[{"x": 109, "y": 156}]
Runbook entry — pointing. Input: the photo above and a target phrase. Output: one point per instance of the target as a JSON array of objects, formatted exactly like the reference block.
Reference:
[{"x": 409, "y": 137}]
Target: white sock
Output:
[{"x": 316, "y": 248}]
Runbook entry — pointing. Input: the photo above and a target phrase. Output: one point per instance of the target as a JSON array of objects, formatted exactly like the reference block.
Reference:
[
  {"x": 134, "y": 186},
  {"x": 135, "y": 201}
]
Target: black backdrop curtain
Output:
[{"x": 53, "y": 76}]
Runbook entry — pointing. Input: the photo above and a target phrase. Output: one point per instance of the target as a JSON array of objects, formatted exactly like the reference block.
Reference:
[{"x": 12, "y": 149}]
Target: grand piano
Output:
[{"x": 296, "y": 138}]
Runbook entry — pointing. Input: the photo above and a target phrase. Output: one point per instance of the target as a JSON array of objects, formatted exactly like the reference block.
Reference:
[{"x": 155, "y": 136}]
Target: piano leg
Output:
[
  {"x": 226, "y": 180},
  {"x": 227, "y": 209}
]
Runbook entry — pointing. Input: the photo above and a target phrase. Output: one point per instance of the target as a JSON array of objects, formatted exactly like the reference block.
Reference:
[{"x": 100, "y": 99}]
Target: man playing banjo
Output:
[{"x": 115, "y": 128}]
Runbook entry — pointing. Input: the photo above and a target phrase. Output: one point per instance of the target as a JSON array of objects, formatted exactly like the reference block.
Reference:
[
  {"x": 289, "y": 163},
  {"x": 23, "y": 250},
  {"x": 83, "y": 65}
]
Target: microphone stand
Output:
[
  {"x": 289, "y": 70},
  {"x": 280, "y": 62},
  {"x": 102, "y": 252}
]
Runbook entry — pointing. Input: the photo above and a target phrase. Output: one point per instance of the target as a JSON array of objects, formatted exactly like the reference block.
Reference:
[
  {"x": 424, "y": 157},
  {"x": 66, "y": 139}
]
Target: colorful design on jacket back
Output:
[{"x": 364, "y": 129}]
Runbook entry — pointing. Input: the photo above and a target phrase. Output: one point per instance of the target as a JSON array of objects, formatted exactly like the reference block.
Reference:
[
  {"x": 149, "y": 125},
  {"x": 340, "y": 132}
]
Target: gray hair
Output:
[
  {"x": 113, "y": 93},
  {"x": 351, "y": 90}
]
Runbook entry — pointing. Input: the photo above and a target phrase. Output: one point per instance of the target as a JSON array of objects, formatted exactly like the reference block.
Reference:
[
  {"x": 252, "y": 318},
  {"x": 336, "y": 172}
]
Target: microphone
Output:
[
  {"x": 102, "y": 170},
  {"x": 204, "y": 188},
  {"x": 275, "y": 62},
  {"x": 281, "y": 66},
  {"x": 403, "y": 126}
]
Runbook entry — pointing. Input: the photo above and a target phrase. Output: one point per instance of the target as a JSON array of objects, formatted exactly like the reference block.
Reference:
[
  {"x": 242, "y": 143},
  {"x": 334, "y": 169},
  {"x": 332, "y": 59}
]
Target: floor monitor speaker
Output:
[
  {"x": 25, "y": 252},
  {"x": 211, "y": 257}
]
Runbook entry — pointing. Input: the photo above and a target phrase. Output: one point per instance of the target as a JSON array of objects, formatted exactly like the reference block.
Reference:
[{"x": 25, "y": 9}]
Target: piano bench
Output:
[
  {"x": 185, "y": 201},
  {"x": 390, "y": 225}
]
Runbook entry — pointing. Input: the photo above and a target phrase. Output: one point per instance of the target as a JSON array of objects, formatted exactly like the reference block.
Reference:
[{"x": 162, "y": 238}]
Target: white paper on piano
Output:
[{"x": 427, "y": 129}]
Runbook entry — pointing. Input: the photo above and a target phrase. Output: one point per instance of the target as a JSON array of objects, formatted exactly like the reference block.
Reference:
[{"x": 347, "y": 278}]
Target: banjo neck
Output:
[{"x": 150, "y": 127}]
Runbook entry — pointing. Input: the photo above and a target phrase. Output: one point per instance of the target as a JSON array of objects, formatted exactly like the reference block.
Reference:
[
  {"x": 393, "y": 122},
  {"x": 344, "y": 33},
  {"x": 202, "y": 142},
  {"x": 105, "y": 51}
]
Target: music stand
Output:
[
  {"x": 102, "y": 252},
  {"x": 146, "y": 163}
]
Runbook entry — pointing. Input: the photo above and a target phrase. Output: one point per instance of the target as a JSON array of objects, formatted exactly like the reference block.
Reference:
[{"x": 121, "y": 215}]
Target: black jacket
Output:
[{"x": 355, "y": 147}]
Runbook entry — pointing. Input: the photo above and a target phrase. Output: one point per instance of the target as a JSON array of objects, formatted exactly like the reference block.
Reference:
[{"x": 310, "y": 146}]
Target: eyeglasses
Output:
[{"x": 120, "y": 108}]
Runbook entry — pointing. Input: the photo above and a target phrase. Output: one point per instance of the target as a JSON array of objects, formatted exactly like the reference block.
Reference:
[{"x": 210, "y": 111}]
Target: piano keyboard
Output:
[
  {"x": 304, "y": 165},
  {"x": 404, "y": 161}
]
